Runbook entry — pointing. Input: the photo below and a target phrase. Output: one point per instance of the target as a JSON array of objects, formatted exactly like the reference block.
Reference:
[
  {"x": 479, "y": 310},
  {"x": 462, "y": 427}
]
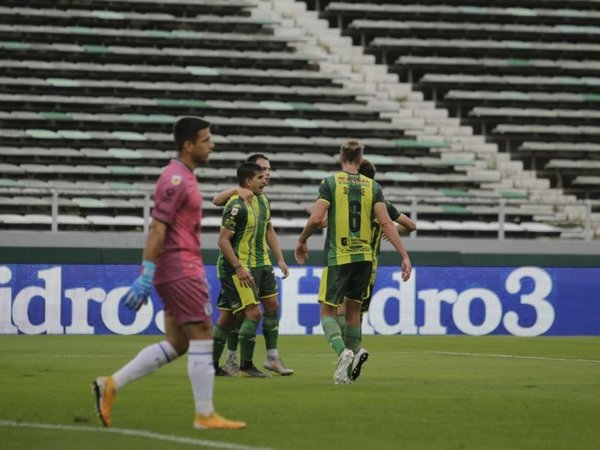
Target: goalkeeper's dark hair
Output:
[
  {"x": 367, "y": 168},
  {"x": 186, "y": 129},
  {"x": 247, "y": 171},
  {"x": 256, "y": 157},
  {"x": 351, "y": 151}
]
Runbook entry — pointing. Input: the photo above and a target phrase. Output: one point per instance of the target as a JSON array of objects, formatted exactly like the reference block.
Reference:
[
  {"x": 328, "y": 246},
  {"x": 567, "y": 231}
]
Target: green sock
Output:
[
  {"x": 219, "y": 338},
  {"x": 341, "y": 321},
  {"x": 333, "y": 334},
  {"x": 247, "y": 339},
  {"x": 233, "y": 338},
  {"x": 352, "y": 338},
  {"x": 270, "y": 329},
  {"x": 360, "y": 328}
]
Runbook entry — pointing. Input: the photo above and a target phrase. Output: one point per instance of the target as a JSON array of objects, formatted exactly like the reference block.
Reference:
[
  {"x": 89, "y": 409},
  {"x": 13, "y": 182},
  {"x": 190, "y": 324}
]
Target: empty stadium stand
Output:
[
  {"x": 522, "y": 74},
  {"x": 89, "y": 91}
]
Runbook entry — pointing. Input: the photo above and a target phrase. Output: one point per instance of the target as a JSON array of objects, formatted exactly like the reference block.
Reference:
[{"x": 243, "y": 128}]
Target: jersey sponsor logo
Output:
[
  {"x": 347, "y": 190},
  {"x": 176, "y": 180},
  {"x": 229, "y": 223}
]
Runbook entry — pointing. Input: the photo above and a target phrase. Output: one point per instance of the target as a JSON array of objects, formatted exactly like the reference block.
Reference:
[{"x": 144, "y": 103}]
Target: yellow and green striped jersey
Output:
[
  {"x": 241, "y": 219},
  {"x": 260, "y": 256},
  {"x": 376, "y": 235},
  {"x": 351, "y": 199}
]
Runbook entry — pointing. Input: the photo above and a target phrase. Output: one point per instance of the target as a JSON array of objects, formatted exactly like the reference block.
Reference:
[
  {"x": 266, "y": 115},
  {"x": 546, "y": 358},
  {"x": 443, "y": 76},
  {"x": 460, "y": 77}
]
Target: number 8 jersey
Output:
[{"x": 350, "y": 216}]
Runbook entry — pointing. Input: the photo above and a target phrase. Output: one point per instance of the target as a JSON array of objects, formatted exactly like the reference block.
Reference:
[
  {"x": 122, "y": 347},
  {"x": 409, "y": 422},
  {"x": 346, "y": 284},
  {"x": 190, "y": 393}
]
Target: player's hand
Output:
[
  {"x": 138, "y": 293},
  {"x": 245, "y": 277},
  {"x": 284, "y": 268},
  {"x": 406, "y": 269},
  {"x": 245, "y": 194},
  {"x": 301, "y": 253}
]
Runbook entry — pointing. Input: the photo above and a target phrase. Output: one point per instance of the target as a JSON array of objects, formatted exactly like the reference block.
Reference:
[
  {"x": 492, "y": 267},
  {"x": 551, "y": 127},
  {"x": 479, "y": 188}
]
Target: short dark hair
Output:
[
  {"x": 246, "y": 171},
  {"x": 186, "y": 129},
  {"x": 256, "y": 157},
  {"x": 367, "y": 168},
  {"x": 351, "y": 151}
]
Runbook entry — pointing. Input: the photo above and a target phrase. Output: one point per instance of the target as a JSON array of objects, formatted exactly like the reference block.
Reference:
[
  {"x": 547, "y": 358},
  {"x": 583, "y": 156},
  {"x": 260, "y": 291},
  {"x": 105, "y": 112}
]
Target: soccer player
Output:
[
  {"x": 404, "y": 225},
  {"x": 351, "y": 202},
  {"x": 239, "y": 297},
  {"x": 172, "y": 262},
  {"x": 262, "y": 272}
]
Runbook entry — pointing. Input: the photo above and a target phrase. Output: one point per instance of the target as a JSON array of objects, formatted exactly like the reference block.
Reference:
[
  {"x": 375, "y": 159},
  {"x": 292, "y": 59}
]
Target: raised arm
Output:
[
  {"x": 221, "y": 198},
  {"x": 390, "y": 232},
  {"x": 405, "y": 225}
]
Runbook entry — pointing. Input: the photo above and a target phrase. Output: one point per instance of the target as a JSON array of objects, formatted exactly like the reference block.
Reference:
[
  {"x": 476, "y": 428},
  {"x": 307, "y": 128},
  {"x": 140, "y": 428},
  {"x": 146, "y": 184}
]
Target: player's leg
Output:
[
  {"x": 270, "y": 328},
  {"x": 201, "y": 373},
  {"x": 192, "y": 312},
  {"x": 252, "y": 317},
  {"x": 330, "y": 297},
  {"x": 225, "y": 325},
  {"x": 361, "y": 290},
  {"x": 267, "y": 290},
  {"x": 244, "y": 301},
  {"x": 340, "y": 318},
  {"x": 231, "y": 366},
  {"x": 221, "y": 330},
  {"x": 147, "y": 361}
]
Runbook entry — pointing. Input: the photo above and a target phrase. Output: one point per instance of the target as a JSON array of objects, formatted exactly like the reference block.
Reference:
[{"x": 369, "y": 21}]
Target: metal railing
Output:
[{"x": 412, "y": 202}]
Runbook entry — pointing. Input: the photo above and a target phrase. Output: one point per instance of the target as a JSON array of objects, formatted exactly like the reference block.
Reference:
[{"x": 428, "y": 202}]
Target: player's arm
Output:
[
  {"x": 273, "y": 243},
  {"x": 405, "y": 225},
  {"x": 137, "y": 295},
  {"x": 323, "y": 222},
  {"x": 225, "y": 236},
  {"x": 221, "y": 198},
  {"x": 314, "y": 222},
  {"x": 154, "y": 241},
  {"x": 169, "y": 195},
  {"x": 390, "y": 232}
]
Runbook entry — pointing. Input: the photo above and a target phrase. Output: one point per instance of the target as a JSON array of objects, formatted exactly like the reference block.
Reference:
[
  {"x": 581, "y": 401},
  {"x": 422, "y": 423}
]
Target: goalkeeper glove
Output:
[{"x": 138, "y": 293}]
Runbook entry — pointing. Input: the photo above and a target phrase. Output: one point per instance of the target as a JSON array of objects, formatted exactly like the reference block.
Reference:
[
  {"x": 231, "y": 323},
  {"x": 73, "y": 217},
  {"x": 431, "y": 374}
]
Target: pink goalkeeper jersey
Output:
[{"x": 178, "y": 204}]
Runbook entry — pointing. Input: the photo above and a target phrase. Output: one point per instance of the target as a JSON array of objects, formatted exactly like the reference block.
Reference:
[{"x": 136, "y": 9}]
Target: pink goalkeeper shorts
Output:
[{"x": 186, "y": 300}]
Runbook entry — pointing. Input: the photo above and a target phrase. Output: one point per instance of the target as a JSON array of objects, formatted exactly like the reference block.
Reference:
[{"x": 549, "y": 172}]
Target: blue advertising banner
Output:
[{"x": 519, "y": 301}]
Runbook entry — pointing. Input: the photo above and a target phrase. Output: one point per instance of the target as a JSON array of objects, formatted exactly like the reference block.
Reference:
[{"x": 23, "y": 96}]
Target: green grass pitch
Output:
[{"x": 415, "y": 392}]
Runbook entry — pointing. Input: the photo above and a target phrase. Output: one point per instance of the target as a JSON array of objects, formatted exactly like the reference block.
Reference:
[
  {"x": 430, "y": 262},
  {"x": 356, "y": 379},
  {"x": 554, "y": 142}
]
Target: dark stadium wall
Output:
[{"x": 126, "y": 248}]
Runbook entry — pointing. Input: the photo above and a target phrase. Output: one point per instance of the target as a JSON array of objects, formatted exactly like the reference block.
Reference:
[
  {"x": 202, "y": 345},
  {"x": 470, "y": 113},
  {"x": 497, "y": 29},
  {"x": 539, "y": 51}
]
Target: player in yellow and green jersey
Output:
[
  {"x": 264, "y": 277},
  {"x": 238, "y": 296},
  {"x": 404, "y": 225},
  {"x": 351, "y": 202}
]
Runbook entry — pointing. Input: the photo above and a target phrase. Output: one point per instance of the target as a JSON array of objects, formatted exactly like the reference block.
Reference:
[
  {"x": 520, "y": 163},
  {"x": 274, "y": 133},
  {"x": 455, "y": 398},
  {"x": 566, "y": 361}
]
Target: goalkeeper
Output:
[{"x": 172, "y": 262}]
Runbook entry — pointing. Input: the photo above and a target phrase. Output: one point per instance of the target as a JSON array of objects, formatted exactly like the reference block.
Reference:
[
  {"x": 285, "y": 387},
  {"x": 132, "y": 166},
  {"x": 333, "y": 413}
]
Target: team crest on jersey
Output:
[
  {"x": 176, "y": 180},
  {"x": 234, "y": 211}
]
